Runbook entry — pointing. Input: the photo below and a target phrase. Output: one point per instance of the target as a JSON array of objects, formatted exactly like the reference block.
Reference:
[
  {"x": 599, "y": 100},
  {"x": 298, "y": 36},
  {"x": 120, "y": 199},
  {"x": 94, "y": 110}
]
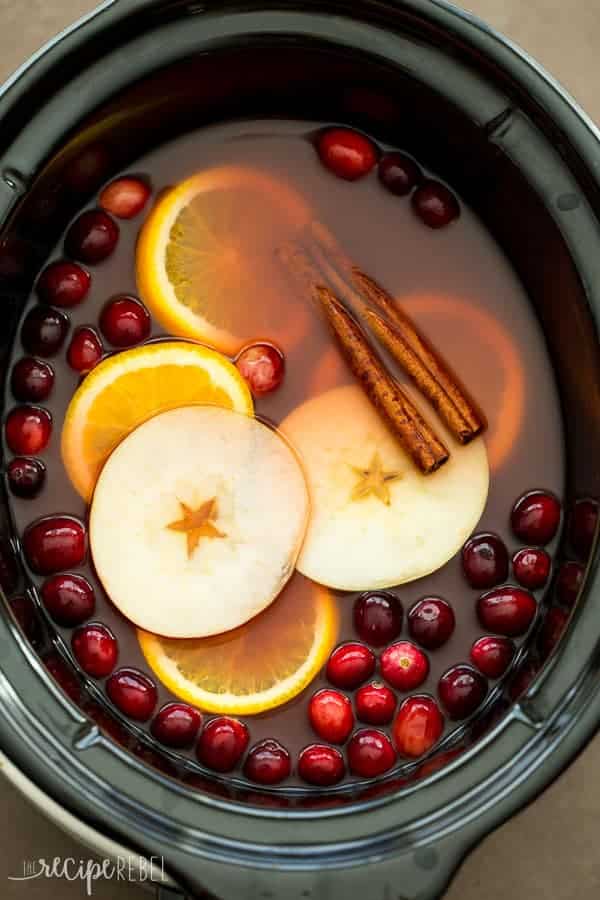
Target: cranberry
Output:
[
  {"x": 431, "y": 622},
  {"x": 523, "y": 679},
  {"x": 331, "y": 716},
  {"x": 63, "y": 283},
  {"x": 28, "y": 429},
  {"x": 92, "y": 237},
  {"x": 263, "y": 367},
  {"x": 63, "y": 675},
  {"x": 26, "y": 477},
  {"x": 404, "y": 666},
  {"x": 350, "y": 664},
  {"x": 54, "y": 543},
  {"x": 348, "y": 154},
  {"x": 507, "y": 610},
  {"x": 552, "y": 629},
  {"x": 321, "y": 765},
  {"x": 418, "y": 726},
  {"x": 69, "y": 599},
  {"x": 85, "y": 350},
  {"x": 25, "y": 613},
  {"x": 133, "y": 693},
  {"x": 44, "y": 330},
  {"x": 485, "y": 560},
  {"x": 87, "y": 170},
  {"x": 268, "y": 762},
  {"x": 492, "y": 655},
  {"x": 125, "y": 321},
  {"x": 222, "y": 744},
  {"x": 399, "y": 173},
  {"x": 378, "y": 617},
  {"x": 531, "y": 567},
  {"x": 370, "y": 753},
  {"x": 582, "y": 527},
  {"x": 461, "y": 691},
  {"x": 535, "y": 517},
  {"x": 568, "y": 582},
  {"x": 95, "y": 649},
  {"x": 176, "y": 725},
  {"x": 434, "y": 204},
  {"x": 375, "y": 704},
  {"x": 32, "y": 379},
  {"x": 125, "y": 198}
]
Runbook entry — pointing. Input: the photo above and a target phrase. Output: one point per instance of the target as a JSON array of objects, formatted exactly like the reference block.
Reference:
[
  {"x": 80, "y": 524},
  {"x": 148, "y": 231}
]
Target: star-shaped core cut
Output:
[
  {"x": 373, "y": 480},
  {"x": 197, "y": 524}
]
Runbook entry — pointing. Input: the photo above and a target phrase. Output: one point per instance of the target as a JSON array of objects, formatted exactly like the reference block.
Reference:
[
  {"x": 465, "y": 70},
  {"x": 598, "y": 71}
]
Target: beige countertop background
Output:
[{"x": 549, "y": 851}]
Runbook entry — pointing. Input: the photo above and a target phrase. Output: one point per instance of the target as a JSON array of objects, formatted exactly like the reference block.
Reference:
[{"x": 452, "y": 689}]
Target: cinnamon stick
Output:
[
  {"x": 416, "y": 436},
  {"x": 439, "y": 386},
  {"x": 400, "y": 337}
]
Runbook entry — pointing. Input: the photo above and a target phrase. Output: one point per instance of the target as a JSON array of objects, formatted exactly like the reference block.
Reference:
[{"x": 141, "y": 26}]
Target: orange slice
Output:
[
  {"x": 127, "y": 389},
  {"x": 493, "y": 365},
  {"x": 259, "y": 666},
  {"x": 206, "y": 264}
]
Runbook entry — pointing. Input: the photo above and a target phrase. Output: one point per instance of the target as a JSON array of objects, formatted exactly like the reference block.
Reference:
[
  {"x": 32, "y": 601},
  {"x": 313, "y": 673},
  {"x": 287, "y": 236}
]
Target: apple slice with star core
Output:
[
  {"x": 376, "y": 521},
  {"x": 197, "y": 520}
]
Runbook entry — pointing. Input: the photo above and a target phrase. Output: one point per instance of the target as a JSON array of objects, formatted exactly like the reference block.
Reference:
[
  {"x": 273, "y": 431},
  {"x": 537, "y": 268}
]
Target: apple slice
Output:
[
  {"x": 376, "y": 520},
  {"x": 197, "y": 520}
]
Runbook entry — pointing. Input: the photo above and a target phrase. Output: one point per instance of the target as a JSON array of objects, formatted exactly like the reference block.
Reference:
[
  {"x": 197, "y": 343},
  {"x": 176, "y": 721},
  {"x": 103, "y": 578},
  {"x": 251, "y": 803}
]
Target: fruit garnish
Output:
[
  {"x": 257, "y": 667},
  {"x": 418, "y": 726},
  {"x": 92, "y": 237},
  {"x": 268, "y": 762},
  {"x": 212, "y": 507},
  {"x": 461, "y": 690},
  {"x": 427, "y": 520},
  {"x": 485, "y": 560},
  {"x": 321, "y": 765},
  {"x": 222, "y": 743},
  {"x": 330, "y": 714},
  {"x": 535, "y": 517},
  {"x": 205, "y": 260},
  {"x": 124, "y": 197},
  {"x": 370, "y": 753},
  {"x": 347, "y": 153},
  {"x": 431, "y": 622},
  {"x": 127, "y": 389}
]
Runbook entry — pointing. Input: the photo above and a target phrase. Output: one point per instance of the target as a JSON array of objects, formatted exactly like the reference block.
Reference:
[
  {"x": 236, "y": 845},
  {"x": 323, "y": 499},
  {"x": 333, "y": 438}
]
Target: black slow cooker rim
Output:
[{"x": 549, "y": 725}]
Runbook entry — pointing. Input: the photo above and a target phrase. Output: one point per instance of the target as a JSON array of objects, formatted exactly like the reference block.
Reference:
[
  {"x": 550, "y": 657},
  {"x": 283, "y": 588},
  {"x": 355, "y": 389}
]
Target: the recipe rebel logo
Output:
[{"x": 135, "y": 869}]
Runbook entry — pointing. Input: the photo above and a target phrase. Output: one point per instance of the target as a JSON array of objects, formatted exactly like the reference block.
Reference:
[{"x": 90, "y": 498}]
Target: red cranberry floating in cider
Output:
[
  {"x": 349, "y": 665},
  {"x": 404, "y": 666},
  {"x": 399, "y": 173},
  {"x": 378, "y": 617},
  {"x": 92, "y": 237},
  {"x": 346, "y": 153},
  {"x": 554, "y": 625},
  {"x": 85, "y": 350},
  {"x": 507, "y": 610},
  {"x": 582, "y": 527},
  {"x": 461, "y": 691},
  {"x": 431, "y": 622},
  {"x": 44, "y": 330},
  {"x": 321, "y": 765},
  {"x": 28, "y": 429},
  {"x": 26, "y": 477},
  {"x": 263, "y": 367},
  {"x": 54, "y": 543},
  {"x": 568, "y": 582},
  {"x": 485, "y": 560},
  {"x": 133, "y": 693},
  {"x": 68, "y": 598},
  {"x": 535, "y": 517},
  {"x": 370, "y": 753},
  {"x": 63, "y": 283},
  {"x": 531, "y": 567},
  {"x": 331, "y": 716},
  {"x": 268, "y": 762},
  {"x": 375, "y": 704},
  {"x": 125, "y": 321},
  {"x": 31, "y": 379},
  {"x": 222, "y": 744},
  {"x": 492, "y": 655},
  {"x": 418, "y": 726},
  {"x": 125, "y": 198},
  {"x": 88, "y": 169},
  {"x": 95, "y": 649},
  {"x": 435, "y": 204},
  {"x": 176, "y": 725}
]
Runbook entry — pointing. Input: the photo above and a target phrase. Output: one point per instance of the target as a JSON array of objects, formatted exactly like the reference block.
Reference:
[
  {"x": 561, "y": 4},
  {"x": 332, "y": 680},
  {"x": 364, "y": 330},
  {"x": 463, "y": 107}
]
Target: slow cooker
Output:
[{"x": 471, "y": 106}]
